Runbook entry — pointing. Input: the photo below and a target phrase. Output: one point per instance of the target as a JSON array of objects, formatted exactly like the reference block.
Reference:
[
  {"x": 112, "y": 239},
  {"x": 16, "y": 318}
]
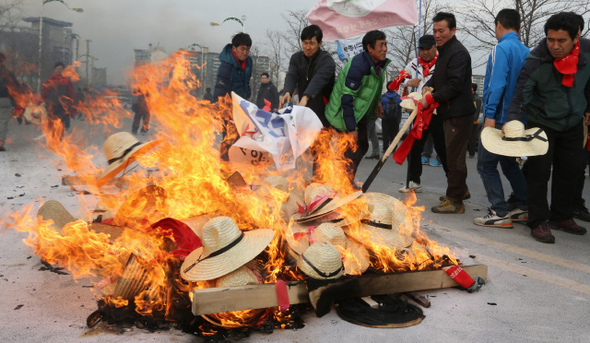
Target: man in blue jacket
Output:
[
  {"x": 504, "y": 65},
  {"x": 235, "y": 70}
]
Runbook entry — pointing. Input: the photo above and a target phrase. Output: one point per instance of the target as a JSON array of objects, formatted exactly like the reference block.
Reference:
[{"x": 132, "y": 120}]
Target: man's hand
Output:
[
  {"x": 424, "y": 103},
  {"x": 587, "y": 115},
  {"x": 303, "y": 101},
  {"x": 414, "y": 82},
  {"x": 490, "y": 123},
  {"x": 285, "y": 98},
  {"x": 427, "y": 90},
  {"x": 355, "y": 135},
  {"x": 379, "y": 111}
]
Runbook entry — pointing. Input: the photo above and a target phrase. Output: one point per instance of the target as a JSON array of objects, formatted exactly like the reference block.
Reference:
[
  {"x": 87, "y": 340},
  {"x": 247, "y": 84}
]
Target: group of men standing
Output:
[{"x": 545, "y": 88}]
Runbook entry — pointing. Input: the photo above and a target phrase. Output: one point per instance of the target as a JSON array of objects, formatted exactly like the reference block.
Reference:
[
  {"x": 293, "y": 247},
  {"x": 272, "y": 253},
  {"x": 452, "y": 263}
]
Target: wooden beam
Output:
[{"x": 226, "y": 299}]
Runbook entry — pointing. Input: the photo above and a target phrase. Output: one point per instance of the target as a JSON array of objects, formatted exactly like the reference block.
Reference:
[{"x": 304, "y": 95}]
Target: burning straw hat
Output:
[
  {"x": 225, "y": 249},
  {"x": 398, "y": 208},
  {"x": 54, "y": 210},
  {"x": 121, "y": 149},
  {"x": 516, "y": 142},
  {"x": 35, "y": 114},
  {"x": 321, "y": 261},
  {"x": 321, "y": 200},
  {"x": 383, "y": 229},
  {"x": 356, "y": 257},
  {"x": 297, "y": 239}
]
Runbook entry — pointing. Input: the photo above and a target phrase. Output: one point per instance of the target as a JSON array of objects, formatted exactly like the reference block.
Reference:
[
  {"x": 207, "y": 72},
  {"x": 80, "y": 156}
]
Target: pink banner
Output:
[{"x": 341, "y": 19}]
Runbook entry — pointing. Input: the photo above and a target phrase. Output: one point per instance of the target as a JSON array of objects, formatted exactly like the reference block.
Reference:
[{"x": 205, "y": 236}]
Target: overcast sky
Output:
[{"x": 116, "y": 27}]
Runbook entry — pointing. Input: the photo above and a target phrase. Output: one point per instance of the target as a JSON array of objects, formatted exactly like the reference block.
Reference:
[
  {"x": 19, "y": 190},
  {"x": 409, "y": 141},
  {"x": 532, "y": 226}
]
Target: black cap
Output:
[{"x": 426, "y": 41}]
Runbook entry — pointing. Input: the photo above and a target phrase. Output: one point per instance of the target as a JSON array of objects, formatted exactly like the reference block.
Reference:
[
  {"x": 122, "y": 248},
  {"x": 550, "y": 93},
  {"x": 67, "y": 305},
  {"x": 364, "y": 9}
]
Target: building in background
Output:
[
  {"x": 99, "y": 77},
  {"x": 478, "y": 80}
]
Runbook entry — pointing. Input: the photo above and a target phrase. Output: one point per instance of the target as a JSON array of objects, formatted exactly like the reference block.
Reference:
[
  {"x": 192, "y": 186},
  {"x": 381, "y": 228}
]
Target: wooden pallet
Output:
[{"x": 226, "y": 299}]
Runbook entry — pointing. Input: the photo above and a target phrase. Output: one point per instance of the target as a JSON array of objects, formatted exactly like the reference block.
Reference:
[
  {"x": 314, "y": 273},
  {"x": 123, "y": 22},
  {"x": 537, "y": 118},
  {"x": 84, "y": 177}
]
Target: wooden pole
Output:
[{"x": 226, "y": 299}]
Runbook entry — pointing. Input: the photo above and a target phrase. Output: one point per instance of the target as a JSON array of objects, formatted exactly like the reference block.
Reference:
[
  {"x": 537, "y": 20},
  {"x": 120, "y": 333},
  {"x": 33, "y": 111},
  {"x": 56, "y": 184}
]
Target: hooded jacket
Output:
[
  {"x": 231, "y": 77},
  {"x": 504, "y": 65},
  {"x": 385, "y": 100},
  {"x": 357, "y": 92},
  {"x": 541, "y": 98},
  {"x": 314, "y": 79},
  {"x": 452, "y": 80}
]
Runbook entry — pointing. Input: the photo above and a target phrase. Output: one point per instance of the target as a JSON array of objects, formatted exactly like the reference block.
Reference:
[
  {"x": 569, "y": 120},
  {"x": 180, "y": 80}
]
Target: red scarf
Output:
[
  {"x": 241, "y": 63},
  {"x": 420, "y": 124},
  {"x": 568, "y": 66},
  {"x": 427, "y": 65}
]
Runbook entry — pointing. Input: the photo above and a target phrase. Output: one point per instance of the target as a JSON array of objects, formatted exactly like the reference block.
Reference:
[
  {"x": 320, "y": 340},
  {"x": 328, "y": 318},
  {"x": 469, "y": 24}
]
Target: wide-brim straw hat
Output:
[
  {"x": 515, "y": 141},
  {"x": 398, "y": 208},
  {"x": 225, "y": 249},
  {"x": 297, "y": 240},
  {"x": 332, "y": 203},
  {"x": 382, "y": 228},
  {"x": 408, "y": 101},
  {"x": 356, "y": 258},
  {"x": 248, "y": 274},
  {"x": 121, "y": 149},
  {"x": 295, "y": 205},
  {"x": 35, "y": 114},
  {"x": 55, "y": 211},
  {"x": 321, "y": 261}
]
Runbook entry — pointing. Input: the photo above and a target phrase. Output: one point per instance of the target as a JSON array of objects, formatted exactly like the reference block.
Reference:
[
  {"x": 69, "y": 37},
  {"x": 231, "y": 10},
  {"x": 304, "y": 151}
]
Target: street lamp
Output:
[
  {"x": 239, "y": 20},
  {"x": 72, "y": 36},
  {"x": 79, "y": 10}
]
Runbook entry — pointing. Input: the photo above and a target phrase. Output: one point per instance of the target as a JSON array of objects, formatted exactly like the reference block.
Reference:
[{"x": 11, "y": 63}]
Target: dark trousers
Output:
[
  {"x": 390, "y": 128},
  {"x": 356, "y": 156},
  {"x": 139, "y": 115},
  {"x": 455, "y": 134},
  {"x": 435, "y": 128},
  {"x": 566, "y": 157},
  {"x": 473, "y": 144},
  {"x": 58, "y": 117}
]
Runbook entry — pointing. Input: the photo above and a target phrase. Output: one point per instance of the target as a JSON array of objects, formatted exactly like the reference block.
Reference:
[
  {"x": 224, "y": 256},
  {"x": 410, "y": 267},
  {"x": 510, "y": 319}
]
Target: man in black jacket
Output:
[
  {"x": 8, "y": 84},
  {"x": 268, "y": 92},
  {"x": 451, "y": 89},
  {"x": 312, "y": 72}
]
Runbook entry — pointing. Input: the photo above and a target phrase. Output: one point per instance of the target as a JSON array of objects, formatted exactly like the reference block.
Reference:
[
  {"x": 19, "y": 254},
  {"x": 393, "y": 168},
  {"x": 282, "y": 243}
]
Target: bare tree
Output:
[
  {"x": 478, "y": 16},
  {"x": 296, "y": 22},
  {"x": 275, "y": 49}
]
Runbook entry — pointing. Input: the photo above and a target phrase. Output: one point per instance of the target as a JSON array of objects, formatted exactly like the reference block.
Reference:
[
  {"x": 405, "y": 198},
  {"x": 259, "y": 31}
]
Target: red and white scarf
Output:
[{"x": 568, "y": 65}]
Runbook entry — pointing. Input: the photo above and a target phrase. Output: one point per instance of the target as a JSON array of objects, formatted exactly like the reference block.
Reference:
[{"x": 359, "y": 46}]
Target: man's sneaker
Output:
[
  {"x": 494, "y": 220},
  {"x": 425, "y": 160},
  {"x": 466, "y": 196},
  {"x": 542, "y": 233},
  {"x": 569, "y": 226},
  {"x": 518, "y": 215},
  {"x": 413, "y": 186},
  {"x": 582, "y": 213},
  {"x": 448, "y": 207},
  {"x": 435, "y": 163}
]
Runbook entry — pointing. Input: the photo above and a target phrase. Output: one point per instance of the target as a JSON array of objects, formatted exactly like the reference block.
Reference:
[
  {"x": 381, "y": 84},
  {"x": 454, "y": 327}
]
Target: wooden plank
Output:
[{"x": 225, "y": 299}]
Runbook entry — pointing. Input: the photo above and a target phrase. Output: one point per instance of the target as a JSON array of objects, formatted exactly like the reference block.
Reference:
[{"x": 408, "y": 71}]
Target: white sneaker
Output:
[
  {"x": 493, "y": 220},
  {"x": 412, "y": 187},
  {"x": 518, "y": 215}
]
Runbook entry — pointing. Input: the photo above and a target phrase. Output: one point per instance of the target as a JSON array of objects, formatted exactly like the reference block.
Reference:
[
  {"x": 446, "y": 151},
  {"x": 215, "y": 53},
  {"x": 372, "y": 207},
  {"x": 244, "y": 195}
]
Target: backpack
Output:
[{"x": 393, "y": 110}]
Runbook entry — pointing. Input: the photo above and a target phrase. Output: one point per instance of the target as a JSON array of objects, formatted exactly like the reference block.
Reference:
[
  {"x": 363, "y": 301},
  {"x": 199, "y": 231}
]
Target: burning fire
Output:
[{"x": 186, "y": 166}]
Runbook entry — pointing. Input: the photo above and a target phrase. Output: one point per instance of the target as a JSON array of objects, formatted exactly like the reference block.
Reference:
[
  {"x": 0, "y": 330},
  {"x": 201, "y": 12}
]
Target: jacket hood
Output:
[{"x": 390, "y": 95}]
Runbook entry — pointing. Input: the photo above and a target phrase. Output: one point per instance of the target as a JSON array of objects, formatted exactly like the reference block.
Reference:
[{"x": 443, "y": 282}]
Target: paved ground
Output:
[{"x": 535, "y": 292}]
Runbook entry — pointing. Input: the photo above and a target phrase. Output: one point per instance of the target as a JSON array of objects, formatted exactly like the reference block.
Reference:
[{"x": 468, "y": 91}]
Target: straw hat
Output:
[
  {"x": 356, "y": 257},
  {"x": 398, "y": 208},
  {"x": 225, "y": 249},
  {"x": 35, "y": 114},
  {"x": 54, "y": 210},
  {"x": 380, "y": 226},
  {"x": 409, "y": 103},
  {"x": 297, "y": 239},
  {"x": 321, "y": 261},
  {"x": 516, "y": 142},
  {"x": 121, "y": 149},
  {"x": 243, "y": 276},
  {"x": 295, "y": 205},
  {"x": 322, "y": 199}
]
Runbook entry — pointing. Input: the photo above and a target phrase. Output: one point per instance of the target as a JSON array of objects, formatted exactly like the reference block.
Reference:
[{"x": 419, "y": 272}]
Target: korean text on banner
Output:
[{"x": 341, "y": 19}]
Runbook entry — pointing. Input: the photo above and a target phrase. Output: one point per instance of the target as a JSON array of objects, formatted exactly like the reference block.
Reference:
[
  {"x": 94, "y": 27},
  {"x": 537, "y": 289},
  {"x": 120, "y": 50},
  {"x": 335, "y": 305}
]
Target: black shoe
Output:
[
  {"x": 569, "y": 226},
  {"x": 582, "y": 213},
  {"x": 2, "y": 148},
  {"x": 542, "y": 233}
]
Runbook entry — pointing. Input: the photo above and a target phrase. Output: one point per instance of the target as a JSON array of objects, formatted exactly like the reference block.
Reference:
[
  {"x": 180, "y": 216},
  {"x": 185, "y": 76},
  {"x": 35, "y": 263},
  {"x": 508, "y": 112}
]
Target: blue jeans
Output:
[{"x": 487, "y": 167}]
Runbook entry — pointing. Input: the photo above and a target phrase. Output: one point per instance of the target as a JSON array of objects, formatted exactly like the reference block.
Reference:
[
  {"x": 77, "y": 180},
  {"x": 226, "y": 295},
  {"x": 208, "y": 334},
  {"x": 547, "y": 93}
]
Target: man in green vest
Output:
[{"x": 357, "y": 94}]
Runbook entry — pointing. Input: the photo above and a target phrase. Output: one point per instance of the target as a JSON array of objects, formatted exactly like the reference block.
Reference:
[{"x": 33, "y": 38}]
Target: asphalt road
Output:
[{"x": 535, "y": 292}]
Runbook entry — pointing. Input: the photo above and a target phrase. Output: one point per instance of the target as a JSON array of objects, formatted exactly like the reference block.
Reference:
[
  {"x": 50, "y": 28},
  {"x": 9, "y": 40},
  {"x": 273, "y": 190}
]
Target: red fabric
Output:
[
  {"x": 429, "y": 99},
  {"x": 241, "y": 63},
  {"x": 282, "y": 295},
  {"x": 568, "y": 65},
  {"x": 266, "y": 105},
  {"x": 185, "y": 238},
  {"x": 318, "y": 200},
  {"x": 420, "y": 124},
  {"x": 427, "y": 65},
  {"x": 394, "y": 85},
  {"x": 57, "y": 80},
  {"x": 460, "y": 276}
]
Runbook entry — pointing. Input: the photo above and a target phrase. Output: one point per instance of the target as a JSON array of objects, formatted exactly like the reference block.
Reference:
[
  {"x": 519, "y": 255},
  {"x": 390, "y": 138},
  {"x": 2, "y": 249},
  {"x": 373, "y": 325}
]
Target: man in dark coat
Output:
[
  {"x": 451, "y": 89},
  {"x": 208, "y": 96},
  {"x": 312, "y": 72},
  {"x": 235, "y": 70},
  {"x": 8, "y": 85},
  {"x": 268, "y": 92}
]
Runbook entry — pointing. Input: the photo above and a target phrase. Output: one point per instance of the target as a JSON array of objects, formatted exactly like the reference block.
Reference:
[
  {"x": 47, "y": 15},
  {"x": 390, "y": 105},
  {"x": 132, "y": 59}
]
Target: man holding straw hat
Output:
[{"x": 551, "y": 94}]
